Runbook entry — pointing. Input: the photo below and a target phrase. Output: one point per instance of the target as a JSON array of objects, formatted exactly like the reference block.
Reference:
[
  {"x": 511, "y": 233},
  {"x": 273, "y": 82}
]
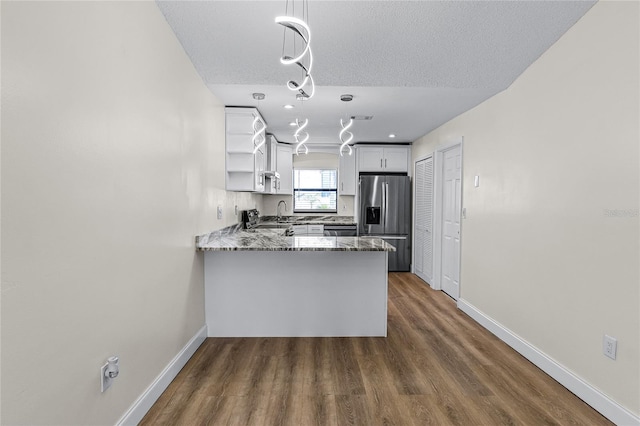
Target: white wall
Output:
[
  {"x": 312, "y": 160},
  {"x": 112, "y": 161},
  {"x": 555, "y": 152}
]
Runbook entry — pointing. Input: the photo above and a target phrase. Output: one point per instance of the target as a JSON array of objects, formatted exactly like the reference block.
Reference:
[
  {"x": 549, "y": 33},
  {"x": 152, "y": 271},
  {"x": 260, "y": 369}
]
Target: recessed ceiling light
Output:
[
  {"x": 392, "y": 136},
  {"x": 288, "y": 106},
  {"x": 293, "y": 123}
]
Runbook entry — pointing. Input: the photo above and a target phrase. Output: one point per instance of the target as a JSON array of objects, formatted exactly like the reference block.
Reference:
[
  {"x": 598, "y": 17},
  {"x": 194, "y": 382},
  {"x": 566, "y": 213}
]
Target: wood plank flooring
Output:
[{"x": 435, "y": 367}]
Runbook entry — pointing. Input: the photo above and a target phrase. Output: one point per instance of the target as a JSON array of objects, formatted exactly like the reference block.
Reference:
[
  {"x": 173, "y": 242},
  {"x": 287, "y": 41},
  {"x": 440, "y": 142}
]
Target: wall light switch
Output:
[
  {"x": 476, "y": 181},
  {"x": 219, "y": 212}
]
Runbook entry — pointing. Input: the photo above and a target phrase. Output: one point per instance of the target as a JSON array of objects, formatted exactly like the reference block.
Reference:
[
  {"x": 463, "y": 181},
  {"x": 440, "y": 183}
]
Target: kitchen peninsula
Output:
[{"x": 262, "y": 283}]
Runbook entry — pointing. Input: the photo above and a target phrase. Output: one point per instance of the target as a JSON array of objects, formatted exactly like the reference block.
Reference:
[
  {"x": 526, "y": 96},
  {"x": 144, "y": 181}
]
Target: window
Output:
[{"x": 315, "y": 191}]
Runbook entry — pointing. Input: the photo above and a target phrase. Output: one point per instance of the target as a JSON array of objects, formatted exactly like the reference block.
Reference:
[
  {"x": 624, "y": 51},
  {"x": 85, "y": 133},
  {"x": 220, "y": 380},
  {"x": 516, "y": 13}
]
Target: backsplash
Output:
[{"x": 270, "y": 205}]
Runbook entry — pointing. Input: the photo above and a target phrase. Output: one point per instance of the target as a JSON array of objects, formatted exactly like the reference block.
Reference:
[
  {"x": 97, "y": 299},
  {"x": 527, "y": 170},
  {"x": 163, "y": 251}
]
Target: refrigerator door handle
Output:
[{"x": 384, "y": 203}]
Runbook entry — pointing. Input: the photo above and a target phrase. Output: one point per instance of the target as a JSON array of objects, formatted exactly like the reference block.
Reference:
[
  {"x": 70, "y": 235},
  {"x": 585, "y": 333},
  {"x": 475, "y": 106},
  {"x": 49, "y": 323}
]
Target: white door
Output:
[
  {"x": 451, "y": 209},
  {"x": 423, "y": 262}
]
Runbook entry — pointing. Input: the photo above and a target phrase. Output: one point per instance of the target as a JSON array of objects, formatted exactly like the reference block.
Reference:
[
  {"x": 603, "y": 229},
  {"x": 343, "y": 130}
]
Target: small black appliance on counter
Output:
[{"x": 250, "y": 218}]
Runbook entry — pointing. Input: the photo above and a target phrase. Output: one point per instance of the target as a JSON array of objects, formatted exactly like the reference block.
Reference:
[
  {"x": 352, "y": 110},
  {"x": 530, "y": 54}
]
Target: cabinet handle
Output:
[
  {"x": 385, "y": 163},
  {"x": 381, "y": 163},
  {"x": 342, "y": 186}
]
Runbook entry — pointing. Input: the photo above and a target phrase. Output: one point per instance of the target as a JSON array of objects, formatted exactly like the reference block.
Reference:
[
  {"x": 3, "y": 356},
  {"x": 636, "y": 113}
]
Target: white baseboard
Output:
[
  {"x": 583, "y": 390},
  {"x": 139, "y": 408}
]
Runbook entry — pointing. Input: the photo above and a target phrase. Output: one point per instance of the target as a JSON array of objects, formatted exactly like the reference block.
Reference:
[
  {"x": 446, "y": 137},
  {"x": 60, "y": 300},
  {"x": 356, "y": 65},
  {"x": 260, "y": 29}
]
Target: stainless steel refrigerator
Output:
[{"x": 385, "y": 212}]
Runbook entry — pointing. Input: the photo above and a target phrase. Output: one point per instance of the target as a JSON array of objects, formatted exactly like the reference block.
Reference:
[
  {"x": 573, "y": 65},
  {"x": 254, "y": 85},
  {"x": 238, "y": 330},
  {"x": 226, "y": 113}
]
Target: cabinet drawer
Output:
[
  {"x": 299, "y": 229},
  {"x": 315, "y": 229}
]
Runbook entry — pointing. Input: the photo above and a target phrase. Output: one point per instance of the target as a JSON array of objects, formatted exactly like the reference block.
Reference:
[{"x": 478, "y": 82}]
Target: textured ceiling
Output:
[{"x": 413, "y": 65}]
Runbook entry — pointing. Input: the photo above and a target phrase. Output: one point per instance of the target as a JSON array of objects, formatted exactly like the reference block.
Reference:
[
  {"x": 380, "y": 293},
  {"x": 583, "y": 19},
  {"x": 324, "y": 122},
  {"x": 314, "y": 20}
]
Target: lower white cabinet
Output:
[
  {"x": 315, "y": 229},
  {"x": 299, "y": 229},
  {"x": 308, "y": 229}
]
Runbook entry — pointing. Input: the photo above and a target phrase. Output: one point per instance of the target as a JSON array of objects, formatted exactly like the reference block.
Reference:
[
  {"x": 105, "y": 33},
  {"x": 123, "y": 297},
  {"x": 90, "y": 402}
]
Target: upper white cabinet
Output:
[
  {"x": 347, "y": 174},
  {"x": 271, "y": 181},
  {"x": 280, "y": 161},
  {"x": 245, "y": 165},
  {"x": 284, "y": 155},
  {"x": 383, "y": 158}
]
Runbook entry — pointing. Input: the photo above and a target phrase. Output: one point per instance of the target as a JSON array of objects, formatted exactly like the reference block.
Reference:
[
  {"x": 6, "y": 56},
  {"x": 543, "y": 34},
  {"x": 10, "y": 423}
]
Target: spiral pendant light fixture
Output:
[
  {"x": 258, "y": 138},
  {"x": 301, "y": 136},
  {"x": 345, "y": 136},
  {"x": 299, "y": 28}
]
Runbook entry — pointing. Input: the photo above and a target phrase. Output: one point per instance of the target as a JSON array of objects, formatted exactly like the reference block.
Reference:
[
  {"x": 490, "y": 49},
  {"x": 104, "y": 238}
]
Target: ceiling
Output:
[{"x": 412, "y": 65}]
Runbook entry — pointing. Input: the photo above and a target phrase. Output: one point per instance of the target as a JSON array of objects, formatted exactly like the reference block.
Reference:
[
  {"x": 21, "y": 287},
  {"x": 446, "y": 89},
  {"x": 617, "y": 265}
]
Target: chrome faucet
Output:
[{"x": 278, "y": 212}]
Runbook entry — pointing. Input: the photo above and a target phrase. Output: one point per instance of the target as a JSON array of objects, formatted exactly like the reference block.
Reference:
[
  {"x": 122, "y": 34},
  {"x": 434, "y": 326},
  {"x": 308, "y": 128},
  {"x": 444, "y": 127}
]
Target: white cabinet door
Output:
[
  {"x": 347, "y": 175},
  {"x": 284, "y": 154},
  {"x": 271, "y": 183},
  {"x": 396, "y": 159},
  {"x": 383, "y": 159},
  {"x": 260, "y": 158},
  {"x": 370, "y": 158}
]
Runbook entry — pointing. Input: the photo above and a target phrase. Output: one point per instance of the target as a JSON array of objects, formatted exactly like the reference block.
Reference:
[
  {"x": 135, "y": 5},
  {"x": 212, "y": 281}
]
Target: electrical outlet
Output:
[
  {"x": 108, "y": 372},
  {"x": 235, "y": 210},
  {"x": 219, "y": 212},
  {"x": 609, "y": 346},
  {"x": 105, "y": 381}
]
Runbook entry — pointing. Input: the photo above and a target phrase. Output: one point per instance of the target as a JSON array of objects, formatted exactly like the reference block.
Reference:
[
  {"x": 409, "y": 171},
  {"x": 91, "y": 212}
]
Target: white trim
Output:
[
  {"x": 583, "y": 390},
  {"x": 141, "y": 406}
]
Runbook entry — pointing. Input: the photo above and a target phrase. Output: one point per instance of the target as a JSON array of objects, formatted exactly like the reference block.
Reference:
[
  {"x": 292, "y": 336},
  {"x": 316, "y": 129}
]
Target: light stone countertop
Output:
[{"x": 235, "y": 238}]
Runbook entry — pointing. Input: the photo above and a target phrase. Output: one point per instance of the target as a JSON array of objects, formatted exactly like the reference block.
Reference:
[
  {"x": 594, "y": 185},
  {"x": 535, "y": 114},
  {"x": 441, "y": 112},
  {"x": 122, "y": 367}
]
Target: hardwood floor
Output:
[{"x": 436, "y": 367}]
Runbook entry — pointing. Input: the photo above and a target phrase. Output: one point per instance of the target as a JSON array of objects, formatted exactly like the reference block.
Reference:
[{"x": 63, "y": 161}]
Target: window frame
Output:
[{"x": 334, "y": 190}]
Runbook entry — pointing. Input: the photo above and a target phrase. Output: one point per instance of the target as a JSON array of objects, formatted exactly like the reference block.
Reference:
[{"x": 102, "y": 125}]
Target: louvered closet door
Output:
[{"x": 424, "y": 220}]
